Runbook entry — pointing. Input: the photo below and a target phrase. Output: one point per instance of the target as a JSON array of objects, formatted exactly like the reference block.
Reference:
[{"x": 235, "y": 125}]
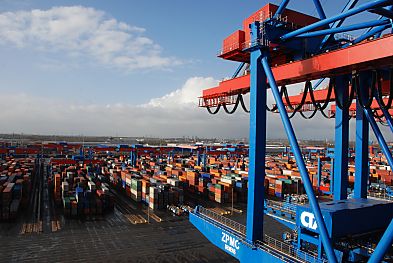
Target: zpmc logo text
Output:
[{"x": 231, "y": 243}]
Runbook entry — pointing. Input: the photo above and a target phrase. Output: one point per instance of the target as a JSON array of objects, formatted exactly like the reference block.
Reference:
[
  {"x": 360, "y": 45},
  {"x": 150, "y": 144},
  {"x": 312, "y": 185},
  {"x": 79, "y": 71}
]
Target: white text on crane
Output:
[
  {"x": 308, "y": 220},
  {"x": 231, "y": 243}
]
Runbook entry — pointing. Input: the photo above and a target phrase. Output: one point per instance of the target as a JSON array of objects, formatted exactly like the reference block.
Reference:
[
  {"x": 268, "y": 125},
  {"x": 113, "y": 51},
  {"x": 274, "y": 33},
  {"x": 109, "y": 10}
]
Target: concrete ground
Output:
[{"x": 114, "y": 239}]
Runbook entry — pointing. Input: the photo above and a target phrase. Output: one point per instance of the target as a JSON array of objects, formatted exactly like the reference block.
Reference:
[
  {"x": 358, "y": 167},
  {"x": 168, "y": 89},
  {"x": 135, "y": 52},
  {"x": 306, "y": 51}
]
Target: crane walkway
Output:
[
  {"x": 281, "y": 210},
  {"x": 279, "y": 249}
]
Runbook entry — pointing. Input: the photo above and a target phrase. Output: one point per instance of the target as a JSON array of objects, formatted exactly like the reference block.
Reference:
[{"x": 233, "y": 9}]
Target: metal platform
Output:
[
  {"x": 230, "y": 237},
  {"x": 348, "y": 217}
]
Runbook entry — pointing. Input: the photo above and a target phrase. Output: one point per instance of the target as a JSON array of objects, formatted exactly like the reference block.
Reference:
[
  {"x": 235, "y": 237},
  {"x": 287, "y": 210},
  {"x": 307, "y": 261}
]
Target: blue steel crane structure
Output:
[{"x": 314, "y": 51}]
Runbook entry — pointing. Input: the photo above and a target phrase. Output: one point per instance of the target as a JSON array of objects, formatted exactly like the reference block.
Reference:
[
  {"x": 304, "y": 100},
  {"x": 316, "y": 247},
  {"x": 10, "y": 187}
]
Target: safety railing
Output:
[
  {"x": 229, "y": 48},
  {"x": 233, "y": 225},
  {"x": 242, "y": 46},
  {"x": 269, "y": 244},
  {"x": 252, "y": 43},
  {"x": 214, "y": 102},
  {"x": 284, "y": 207},
  {"x": 264, "y": 17},
  {"x": 261, "y": 17},
  {"x": 344, "y": 36},
  {"x": 305, "y": 107},
  {"x": 289, "y": 250},
  {"x": 383, "y": 196}
]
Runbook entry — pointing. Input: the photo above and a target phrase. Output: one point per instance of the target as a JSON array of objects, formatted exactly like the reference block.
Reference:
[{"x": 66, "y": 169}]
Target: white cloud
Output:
[
  {"x": 175, "y": 114},
  {"x": 83, "y": 32},
  {"x": 185, "y": 96}
]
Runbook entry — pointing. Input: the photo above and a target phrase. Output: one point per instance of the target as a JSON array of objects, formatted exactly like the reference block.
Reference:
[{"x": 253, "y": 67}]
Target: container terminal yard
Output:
[
  {"x": 99, "y": 194},
  {"x": 172, "y": 200}
]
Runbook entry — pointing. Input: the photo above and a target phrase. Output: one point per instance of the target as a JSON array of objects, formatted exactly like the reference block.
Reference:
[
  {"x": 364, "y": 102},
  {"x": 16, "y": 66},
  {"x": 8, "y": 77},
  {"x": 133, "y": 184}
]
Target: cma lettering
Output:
[
  {"x": 308, "y": 220},
  {"x": 231, "y": 243}
]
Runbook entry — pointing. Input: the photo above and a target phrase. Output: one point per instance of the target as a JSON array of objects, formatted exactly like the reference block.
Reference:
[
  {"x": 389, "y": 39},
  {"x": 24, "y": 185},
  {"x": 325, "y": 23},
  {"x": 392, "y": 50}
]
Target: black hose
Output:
[
  {"x": 328, "y": 96},
  {"x": 275, "y": 107},
  {"x": 317, "y": 105},
  {"x": 308, "y": 117},
  {"x": 376, "y": 115},
  {"x": 239, "y": 99},
  {"x": 359, "y": 92},
  {"x": 302, "y": 101},
  {"x": 327, "y": 116},
  {"x": 234, "y": 108},
  {"x": 351, "y": 96},
  {"x": 310, "y": 89},
  {"x": 215, "y": 111},
  {"x": 243, "y": 105},
  {"x": 379, "y": 95},
  {"x": 346, "y": 104},
  {"x": 379, "y": 117}
]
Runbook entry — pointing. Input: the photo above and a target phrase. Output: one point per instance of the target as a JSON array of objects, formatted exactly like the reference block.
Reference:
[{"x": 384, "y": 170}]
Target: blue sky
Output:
[{"x": 119, "y": 67}]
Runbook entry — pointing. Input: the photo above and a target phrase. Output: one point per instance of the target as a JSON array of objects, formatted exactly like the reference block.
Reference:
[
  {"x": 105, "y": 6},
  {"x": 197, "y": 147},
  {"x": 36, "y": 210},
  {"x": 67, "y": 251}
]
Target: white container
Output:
[
  {"x": 92, "y": 185},
  {"x": 65, "y": 186}
]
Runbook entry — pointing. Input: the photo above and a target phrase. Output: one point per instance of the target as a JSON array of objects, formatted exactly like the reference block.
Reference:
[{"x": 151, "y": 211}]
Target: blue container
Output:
[
  {"x": 88, "y": 194},
  {"x": 86, "y": 203},
  {"x": 80, "y": 196},
  {"x": 205, "y": 176},
  {"x": 17, "y": 191}
]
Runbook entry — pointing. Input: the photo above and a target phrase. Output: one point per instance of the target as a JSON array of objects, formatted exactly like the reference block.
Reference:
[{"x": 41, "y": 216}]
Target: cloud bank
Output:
[
  {"x": 173, "y": 115},
  {"x": 83, "y": 32}
]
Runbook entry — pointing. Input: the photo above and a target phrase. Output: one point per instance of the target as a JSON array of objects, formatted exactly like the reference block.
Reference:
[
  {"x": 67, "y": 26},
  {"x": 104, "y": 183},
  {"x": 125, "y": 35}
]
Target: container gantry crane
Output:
[{"x": 278, "y": 46}]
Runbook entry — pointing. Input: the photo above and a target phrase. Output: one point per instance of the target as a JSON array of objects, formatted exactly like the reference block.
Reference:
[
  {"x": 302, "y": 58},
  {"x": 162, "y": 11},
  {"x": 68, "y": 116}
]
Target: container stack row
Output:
[
  {"x": 148, "y": 185},
  {"x": 79, "y": 191},
  {"x": 15, "y": 185}
]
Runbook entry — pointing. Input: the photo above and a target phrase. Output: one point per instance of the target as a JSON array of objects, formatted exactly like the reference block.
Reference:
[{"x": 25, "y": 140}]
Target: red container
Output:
[
  {"x": 268, "y": 10},
  {"x": 233, "y": 42}
]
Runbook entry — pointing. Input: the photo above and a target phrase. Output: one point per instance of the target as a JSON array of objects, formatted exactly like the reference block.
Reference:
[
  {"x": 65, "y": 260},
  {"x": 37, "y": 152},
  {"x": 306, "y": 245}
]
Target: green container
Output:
[
  {"x": 66, "y": 202},
  {"x": 219, "y": 186}
]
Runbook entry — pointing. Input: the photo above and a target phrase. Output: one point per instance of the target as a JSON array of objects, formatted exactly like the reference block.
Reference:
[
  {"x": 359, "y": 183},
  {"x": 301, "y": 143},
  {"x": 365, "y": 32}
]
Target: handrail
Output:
[
  {"x": 242, "y": 238},
  {"x": 235, "y": 226},
  {"x": 252, "y": 43},
  {"x": 214, "y": 102},
  {"x": 284, "y": 207},
  {"x": 382, "y": 196},
  {"x": 241, "y": 46},
  {"x": 228, "y": 48},
  {"x": 267, "y": 244},
  {"x": 290, "y": 250}
]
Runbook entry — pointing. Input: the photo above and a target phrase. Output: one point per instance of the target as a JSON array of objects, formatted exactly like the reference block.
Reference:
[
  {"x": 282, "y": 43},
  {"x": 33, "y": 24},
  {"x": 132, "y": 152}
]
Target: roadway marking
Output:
[
  {"x": 56, "y": 226},
  {"x": 153, "y": 216},
  {"x": 136, "y": 219},
  {"x": 220, "y": 211},
  {"x": 30, "y": 228},
  {"x": 239, "y": 211}
]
